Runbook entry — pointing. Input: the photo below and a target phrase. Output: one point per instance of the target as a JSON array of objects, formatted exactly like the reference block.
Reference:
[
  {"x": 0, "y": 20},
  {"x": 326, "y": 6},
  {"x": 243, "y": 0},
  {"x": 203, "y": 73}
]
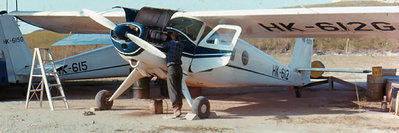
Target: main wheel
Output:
[
  {"x": 201, "y": 107},
  {"x": 102, "y": 100}
]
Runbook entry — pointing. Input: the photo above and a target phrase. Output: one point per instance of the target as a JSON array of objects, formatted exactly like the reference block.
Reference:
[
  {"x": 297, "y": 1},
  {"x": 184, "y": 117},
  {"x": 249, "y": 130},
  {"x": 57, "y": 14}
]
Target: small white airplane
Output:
[
  {"x": 214, "y": 55},
  {"x": 16, "y": 58}
]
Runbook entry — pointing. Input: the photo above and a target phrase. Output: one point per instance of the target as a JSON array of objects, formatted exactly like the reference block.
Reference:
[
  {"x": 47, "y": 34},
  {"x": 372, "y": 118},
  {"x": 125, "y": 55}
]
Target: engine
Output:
[{"x": 148, "y": 24}]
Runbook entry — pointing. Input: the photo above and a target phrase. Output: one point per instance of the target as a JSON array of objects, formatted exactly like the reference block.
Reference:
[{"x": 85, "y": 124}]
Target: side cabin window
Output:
[
  {"x": 188, "y": 26},
  {"x": 222, "y": 37}
]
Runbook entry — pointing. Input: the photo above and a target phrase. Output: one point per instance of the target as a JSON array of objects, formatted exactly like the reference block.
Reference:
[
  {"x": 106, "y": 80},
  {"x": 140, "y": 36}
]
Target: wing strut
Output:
[{"x": 185, "y": 90}]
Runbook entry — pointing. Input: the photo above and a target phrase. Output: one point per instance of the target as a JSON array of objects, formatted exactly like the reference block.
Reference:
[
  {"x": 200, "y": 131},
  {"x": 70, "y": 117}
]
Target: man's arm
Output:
[{"x": 158, "y": 45}]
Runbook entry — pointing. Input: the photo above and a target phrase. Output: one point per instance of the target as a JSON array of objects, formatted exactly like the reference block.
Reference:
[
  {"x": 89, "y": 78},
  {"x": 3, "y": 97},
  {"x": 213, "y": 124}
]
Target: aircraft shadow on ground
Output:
[
  {"x": 252, "y": 101},
  {"x": 281, "y": 102},
  {"x": 73, "y": 90}
]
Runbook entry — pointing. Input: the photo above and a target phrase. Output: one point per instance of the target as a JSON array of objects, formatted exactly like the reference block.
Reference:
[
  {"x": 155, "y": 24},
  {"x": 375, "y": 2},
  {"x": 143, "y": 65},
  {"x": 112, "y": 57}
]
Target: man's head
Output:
[{"x": 172, "y": 36}]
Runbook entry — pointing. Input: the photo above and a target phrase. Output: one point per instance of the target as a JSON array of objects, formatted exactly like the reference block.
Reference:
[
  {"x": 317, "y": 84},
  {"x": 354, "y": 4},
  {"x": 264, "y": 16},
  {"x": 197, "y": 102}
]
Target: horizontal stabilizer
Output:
[
  {"x": 334, "y": 70},
  {"x": 84, "y": 39}
]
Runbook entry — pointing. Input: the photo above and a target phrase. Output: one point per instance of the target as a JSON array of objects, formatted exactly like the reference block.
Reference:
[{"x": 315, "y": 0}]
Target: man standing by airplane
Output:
[{"x": 174, "y": 76}]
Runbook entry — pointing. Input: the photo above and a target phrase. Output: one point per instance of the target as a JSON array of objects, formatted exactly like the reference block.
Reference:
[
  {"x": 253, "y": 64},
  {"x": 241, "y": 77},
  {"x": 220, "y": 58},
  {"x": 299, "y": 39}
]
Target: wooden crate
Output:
[
  {"x": 377, "y": 71},
  {"x": 375, "y": 87},
  {"x": 389, "y": 72}
]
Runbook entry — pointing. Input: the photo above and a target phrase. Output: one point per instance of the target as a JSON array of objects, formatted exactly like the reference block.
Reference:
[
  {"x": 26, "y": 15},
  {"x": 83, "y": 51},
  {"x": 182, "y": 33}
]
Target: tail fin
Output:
[
  {"x": 18, "y": 57},
  {"x": 302, "y": 56}
]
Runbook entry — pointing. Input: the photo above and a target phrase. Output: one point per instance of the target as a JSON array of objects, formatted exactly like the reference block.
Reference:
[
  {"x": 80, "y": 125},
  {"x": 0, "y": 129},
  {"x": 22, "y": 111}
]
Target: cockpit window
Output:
[
  {"x": 190, "y": 27},
  {"x": 222, "y": 37}
]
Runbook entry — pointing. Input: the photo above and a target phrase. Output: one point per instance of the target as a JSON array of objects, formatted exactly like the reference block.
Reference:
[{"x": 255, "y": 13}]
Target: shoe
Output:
[{"x": 177, "y": 111}]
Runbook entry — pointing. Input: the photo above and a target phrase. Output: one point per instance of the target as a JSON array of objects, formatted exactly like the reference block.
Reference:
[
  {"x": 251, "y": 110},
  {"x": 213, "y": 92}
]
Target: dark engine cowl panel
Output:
[{"x": 153, "y": 17}]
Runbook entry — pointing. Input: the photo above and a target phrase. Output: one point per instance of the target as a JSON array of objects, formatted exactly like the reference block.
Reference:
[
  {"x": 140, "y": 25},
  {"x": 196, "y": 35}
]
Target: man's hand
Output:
[{"x": 159, "y": 45}]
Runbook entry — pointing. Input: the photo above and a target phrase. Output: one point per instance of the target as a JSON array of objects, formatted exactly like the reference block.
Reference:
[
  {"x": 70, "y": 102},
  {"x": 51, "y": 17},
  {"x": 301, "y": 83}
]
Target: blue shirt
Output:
[{"x": 174, "y": 51}]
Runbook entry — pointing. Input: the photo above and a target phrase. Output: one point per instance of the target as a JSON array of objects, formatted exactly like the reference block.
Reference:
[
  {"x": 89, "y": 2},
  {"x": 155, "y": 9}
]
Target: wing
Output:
[
  {"x": 84, "y": 39},
  {"x": 66, "y": 22},
  {"x": 296, "y": 22},
  {"x": 309, "y": 22}
]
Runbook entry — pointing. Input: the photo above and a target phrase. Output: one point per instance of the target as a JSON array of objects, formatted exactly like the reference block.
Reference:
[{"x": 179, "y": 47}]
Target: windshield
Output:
[{"x": 188, "y": 26}]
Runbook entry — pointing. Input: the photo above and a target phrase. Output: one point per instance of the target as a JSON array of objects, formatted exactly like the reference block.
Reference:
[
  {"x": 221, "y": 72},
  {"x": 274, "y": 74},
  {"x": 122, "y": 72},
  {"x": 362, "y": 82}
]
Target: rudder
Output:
[
  {"x": 17, "y": 55},
  {"x": 302, "y": 56}
]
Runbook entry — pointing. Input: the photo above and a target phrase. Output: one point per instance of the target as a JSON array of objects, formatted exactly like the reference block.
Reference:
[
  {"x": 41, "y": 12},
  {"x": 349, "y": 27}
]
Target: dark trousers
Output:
[{"x": 174, "y": 84}]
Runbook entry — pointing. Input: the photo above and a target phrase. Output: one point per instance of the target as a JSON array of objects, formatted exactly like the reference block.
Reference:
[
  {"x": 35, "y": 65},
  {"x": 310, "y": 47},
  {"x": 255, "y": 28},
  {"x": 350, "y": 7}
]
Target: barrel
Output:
[{"x": 141, "y": 88}]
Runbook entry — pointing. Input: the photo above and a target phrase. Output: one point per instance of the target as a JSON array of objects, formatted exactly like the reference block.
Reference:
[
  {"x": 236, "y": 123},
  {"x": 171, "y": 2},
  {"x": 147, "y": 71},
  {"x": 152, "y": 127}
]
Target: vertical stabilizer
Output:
[
  {"x": 302, "y": 56},
  {"x": 18, "y": 57}
]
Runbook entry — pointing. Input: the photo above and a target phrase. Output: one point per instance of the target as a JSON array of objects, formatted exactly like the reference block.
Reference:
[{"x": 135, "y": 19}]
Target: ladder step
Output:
[
  {"x": 51, "y": 73},
  {"x": 58, "y": 97},
  {"x": 36, "y": 90},
  {"x": 37, "y": 75},
  {"x": 54, "y": 85},
  {"x": 36, "y": 68}
]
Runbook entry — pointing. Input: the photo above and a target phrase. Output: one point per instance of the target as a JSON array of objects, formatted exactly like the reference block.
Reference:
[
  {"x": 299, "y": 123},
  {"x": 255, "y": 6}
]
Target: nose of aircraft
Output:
[
  {"x": 123, "y": 28},
  {"x": 122, "y": 43},
  {"x": 124, "y": 33}
]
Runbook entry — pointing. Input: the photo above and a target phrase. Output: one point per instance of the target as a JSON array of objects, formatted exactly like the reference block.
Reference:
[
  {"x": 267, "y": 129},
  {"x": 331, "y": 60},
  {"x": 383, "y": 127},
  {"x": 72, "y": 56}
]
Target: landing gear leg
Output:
[
  {"x": 104, "y": 99},
  {"x": 200, "y": 106},
  {"x": 298, "y": 91}
]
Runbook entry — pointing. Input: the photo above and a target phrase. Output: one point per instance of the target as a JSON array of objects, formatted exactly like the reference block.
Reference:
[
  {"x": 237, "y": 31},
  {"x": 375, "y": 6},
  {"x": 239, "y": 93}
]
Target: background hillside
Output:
[{"x": 44, "y": 38}]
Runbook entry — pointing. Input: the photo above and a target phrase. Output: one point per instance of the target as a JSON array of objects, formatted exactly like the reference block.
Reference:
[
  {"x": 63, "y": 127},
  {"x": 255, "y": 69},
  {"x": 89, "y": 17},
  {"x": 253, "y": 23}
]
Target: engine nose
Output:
[
  {"x": 120, "y": 31},
  {"x": 123, "y": 44}
]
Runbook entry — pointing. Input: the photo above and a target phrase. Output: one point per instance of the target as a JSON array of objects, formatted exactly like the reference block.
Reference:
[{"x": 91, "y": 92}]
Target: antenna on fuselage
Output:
[
  {"x": 16, "y": 5},
  {"x": 301, "y": 5},
  {"x": 7, "y": 5}
]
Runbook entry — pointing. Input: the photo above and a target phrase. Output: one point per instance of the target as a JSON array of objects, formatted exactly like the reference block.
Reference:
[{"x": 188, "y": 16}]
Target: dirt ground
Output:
[{"x": 254, "y": 109}]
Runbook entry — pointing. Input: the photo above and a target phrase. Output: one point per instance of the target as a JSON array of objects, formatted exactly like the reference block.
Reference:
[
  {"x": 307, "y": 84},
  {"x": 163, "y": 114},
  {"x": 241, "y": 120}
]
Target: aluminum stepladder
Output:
[{"x": 44, "y": 83}]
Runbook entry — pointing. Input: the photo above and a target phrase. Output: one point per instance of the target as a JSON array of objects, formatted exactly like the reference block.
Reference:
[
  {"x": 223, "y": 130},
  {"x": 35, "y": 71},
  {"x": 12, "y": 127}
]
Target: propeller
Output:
[
  {"x": 110, "y": 25},
  {"x": 100, "y": 19}
]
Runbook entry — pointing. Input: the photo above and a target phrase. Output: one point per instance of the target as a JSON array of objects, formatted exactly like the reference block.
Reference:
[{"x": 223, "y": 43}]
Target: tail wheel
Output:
[
  {"x": 298, "y": 92},
  {"x": 201, "y": 107},
  {"x": 102, "y": 98}
]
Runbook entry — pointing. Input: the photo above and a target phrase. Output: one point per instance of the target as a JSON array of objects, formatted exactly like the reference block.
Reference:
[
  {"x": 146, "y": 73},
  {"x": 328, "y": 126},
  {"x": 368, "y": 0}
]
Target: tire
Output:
[
  {"x": 102, "y": 100},
  {"x": 201, "y": 107}
]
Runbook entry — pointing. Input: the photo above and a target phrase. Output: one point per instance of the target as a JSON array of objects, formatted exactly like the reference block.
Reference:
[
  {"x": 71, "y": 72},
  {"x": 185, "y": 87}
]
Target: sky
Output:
[{"x": 181, "y": 5}]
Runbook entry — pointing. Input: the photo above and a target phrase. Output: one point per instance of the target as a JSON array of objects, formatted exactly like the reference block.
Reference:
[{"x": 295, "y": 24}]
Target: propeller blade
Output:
[
  {"x": 100, "y": 19},
  {"x": 145, "y": 45}
]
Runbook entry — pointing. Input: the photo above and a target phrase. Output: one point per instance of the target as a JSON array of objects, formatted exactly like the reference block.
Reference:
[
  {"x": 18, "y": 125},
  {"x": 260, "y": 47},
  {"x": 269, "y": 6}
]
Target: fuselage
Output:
[{"x": 248, "y": 66}]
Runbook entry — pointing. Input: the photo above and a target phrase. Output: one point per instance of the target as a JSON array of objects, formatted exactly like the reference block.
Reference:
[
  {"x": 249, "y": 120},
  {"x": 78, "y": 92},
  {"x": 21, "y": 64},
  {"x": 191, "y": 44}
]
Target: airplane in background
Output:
[
  {"x": 16, "y": 57},
  {"x": 214, "y": 55}
]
